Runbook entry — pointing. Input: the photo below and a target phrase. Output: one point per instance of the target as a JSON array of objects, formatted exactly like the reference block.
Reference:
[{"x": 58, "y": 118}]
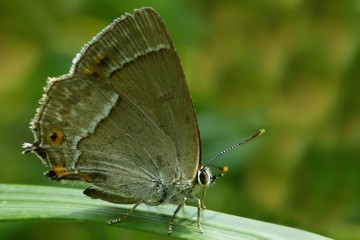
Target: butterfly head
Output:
[{"x": 205, "y": 178}]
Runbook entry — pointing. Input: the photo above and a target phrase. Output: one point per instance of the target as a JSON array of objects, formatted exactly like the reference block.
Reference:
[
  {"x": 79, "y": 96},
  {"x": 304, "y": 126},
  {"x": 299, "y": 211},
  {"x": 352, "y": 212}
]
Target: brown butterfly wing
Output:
[{"x": 122, "y": 119}]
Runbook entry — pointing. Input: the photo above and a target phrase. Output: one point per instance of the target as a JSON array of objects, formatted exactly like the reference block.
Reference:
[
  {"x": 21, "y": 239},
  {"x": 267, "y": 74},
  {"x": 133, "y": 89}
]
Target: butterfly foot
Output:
[
  {"x": 200, "y": 229},
  {"x": 170, "y": 229},
  {"x": 117, "y": 220},
  {"x": 114, "y": 221}
]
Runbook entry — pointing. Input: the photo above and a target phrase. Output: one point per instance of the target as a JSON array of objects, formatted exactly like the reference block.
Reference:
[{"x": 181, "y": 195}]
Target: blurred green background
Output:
[{"x": 289, "y": 66}]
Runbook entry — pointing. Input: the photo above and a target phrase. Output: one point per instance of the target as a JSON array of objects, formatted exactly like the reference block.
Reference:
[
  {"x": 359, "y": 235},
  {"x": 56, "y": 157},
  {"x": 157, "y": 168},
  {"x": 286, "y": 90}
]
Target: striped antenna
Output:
[{"x": 259, "y": 133}]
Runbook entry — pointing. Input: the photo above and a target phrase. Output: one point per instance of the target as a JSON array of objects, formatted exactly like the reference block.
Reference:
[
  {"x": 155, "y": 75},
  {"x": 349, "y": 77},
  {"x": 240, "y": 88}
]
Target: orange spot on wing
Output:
[
  {"x": 60, "y": 170},
  {"x": 55, "y": 137},
  {"x": 99, "y": 58}
]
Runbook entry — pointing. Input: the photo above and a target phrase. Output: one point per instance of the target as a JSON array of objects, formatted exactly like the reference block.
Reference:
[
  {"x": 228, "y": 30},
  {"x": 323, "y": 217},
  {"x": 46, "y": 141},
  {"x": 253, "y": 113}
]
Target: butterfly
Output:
[{"x": 122, "y": 120}]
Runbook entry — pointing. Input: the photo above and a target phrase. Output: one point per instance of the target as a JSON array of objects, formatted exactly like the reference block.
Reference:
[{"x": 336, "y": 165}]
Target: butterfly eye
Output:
[{"x": 204, "y": 176}]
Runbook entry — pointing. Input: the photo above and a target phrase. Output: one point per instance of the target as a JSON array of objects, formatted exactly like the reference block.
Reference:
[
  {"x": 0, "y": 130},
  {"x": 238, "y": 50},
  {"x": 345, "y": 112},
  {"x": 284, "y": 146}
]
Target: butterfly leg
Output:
[
  {"x": 213, "y": 178},
  {"x": 110, "y": 222},
  {"x": 202, "y": 198},
  {"x": 170, "y": 229},
  {"x": 200, "y": 204}
]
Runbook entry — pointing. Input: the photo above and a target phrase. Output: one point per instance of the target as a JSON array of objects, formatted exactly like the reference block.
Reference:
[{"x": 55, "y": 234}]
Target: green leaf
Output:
[{"x": 28, "y": 202}]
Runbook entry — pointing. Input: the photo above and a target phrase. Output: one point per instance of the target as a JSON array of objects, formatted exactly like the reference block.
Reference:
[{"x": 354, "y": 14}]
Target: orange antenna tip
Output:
[{"x": 224, "y": 168}]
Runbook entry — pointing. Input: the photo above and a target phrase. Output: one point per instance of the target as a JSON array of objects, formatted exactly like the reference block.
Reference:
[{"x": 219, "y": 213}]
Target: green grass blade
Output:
[{"x": 28, "y": 202}]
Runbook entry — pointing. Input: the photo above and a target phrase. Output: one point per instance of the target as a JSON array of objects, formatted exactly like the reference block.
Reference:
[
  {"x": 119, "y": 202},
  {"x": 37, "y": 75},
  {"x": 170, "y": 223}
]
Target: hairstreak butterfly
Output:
[{"x": 122, "y": 120}]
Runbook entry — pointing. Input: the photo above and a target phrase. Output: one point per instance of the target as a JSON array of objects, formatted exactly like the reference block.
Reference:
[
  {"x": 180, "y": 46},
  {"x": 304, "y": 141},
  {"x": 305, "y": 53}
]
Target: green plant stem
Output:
[{"x": 28, "y": 202}]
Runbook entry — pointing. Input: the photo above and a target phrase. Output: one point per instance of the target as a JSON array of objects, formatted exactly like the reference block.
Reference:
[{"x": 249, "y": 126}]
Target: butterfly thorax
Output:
[{"x": 181, "y": 188}]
